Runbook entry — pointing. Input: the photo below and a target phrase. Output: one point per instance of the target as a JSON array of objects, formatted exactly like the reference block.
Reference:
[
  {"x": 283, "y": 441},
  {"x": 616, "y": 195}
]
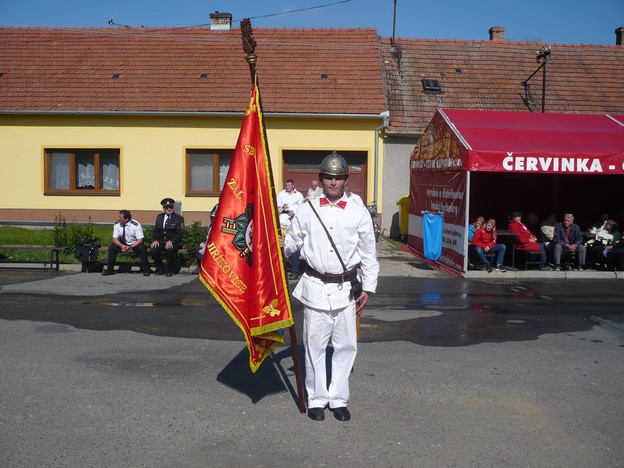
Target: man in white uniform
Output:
[
  {"x": 315, "y": 190},
  {"x": 288, "y": 201},
  {"x": 330, "y": 306},
  {"x": 127, "y": 235}
]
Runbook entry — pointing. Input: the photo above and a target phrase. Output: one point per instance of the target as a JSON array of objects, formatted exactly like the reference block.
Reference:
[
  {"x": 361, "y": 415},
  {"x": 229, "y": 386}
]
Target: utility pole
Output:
[{"x": 544, "y": 54}]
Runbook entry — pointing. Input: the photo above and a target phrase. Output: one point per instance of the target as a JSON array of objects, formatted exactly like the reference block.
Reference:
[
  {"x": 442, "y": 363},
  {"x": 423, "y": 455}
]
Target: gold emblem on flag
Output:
[{"x": 271, "y": 309}]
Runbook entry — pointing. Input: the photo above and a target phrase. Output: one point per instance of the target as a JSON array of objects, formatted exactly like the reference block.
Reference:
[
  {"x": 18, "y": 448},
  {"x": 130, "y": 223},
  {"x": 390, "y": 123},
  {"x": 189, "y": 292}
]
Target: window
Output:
[
  {"x": 82, "y": 172},
  {"x": 431, "y": 85},
  {"x": 206, "y": 171}
]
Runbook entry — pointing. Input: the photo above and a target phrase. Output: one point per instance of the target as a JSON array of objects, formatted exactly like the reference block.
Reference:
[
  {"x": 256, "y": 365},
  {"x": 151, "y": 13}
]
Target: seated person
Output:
[
  {"x": 604, "y": 217},
  {"x": 613, "y": 253},
  {"x": 602, "y": 239},
  {"x": 525, "y": 240},
  {"x": 476, "y": 224},
  {"x": 568, "y": 238},
  {"x": 199, "y": 255},
  {"x": 484, "y": 241},
  {"x": 168, "y": 235},
  {"x": 547, "y": 228},
  {"x": 547, "y": 232},
  {"x": 127, "y": 236}
]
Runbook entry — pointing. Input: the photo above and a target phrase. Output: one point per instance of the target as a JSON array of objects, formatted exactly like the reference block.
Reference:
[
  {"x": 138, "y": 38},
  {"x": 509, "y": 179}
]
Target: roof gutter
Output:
[{"x": 196, "y": 114}]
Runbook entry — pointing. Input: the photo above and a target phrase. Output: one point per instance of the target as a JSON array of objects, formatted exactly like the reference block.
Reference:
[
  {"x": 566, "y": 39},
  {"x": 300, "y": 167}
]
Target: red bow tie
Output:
[{"x": 324, "y": 202}]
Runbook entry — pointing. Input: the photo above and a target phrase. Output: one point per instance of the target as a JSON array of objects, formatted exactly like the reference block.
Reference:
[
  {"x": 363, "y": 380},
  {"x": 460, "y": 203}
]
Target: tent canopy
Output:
[
  {"x": 546, "y": 143},
  {"x": 486, "y": 163}
]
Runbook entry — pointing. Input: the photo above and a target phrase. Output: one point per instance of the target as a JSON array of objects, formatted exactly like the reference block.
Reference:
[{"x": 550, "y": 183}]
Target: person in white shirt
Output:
[
  {"x": 332, "y": 294},
  {"x": 127, "y": 235},
  {"x": 315, "y": 190},
  {"x": 288, "y": 201}
]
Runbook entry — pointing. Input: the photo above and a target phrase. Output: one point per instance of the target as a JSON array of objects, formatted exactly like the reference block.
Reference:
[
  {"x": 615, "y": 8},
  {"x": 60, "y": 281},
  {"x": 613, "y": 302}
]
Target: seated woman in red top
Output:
[
  {"x": 484, "y": 241},
  {"x": 524, "y": 239}
]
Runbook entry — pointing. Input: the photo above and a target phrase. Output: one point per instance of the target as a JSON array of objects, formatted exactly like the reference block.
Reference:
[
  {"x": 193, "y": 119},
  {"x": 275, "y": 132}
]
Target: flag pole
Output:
[{"x": 249, "y": 47}]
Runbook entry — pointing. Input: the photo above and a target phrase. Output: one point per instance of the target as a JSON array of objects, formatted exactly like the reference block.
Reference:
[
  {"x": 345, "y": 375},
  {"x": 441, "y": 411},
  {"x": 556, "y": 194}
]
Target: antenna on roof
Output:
[{"x": 394, "y": 22}]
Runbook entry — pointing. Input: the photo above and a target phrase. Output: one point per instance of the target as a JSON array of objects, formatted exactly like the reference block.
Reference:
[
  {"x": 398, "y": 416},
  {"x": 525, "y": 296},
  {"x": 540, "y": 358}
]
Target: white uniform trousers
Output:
[{"x": 319, "y": 327}]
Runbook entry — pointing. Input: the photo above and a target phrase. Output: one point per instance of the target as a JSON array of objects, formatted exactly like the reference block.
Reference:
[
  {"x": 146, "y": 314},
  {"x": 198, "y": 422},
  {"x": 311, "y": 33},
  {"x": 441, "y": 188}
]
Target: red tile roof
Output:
[
  {"x": 489, "y": 75},
  {"x": 324, "y": 71}
]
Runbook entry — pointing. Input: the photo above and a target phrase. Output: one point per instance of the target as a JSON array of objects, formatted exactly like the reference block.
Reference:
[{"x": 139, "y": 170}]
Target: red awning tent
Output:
[{"x": 484, "y": 163}]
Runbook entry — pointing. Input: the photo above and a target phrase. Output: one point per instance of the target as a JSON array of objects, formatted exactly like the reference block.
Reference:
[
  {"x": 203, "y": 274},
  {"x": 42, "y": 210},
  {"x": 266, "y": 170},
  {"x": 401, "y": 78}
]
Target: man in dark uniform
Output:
[
  {"x": 168, "y": 234},
  {"x": 127, "y": 235}
]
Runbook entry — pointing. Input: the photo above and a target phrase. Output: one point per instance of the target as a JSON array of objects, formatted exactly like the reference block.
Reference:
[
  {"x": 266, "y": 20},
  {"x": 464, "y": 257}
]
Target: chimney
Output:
[
  {"x": 618, "y": 35},
  {"x": 497, "y": 34},
  {"x": 220, "y": 21}
]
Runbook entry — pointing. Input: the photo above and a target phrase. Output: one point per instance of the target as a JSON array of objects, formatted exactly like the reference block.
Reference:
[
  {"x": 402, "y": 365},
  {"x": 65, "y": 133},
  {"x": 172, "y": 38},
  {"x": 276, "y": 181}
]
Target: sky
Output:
[{"x": 547, "y": 21}]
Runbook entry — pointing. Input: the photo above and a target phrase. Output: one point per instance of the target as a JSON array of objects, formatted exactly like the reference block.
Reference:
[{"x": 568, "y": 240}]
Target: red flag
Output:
[{"x": 243, "y": 266}]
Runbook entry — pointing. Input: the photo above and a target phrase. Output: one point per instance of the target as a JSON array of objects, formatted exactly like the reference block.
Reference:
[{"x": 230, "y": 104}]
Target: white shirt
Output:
[
  {"x": 134, "y": 231},
  {"x": 352, "y": 231},
  {"x": 315, "y": 193},
  {"x": 293, "y": 199}
]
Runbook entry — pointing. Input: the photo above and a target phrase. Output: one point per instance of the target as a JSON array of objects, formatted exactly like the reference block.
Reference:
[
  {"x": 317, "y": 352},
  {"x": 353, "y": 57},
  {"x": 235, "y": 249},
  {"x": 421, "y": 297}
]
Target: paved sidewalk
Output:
[{"x": 394, "y": 262}]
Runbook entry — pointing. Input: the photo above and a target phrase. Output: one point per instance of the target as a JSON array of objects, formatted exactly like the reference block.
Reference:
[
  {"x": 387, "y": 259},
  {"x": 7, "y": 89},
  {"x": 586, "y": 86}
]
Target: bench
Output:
[
  {"x": 53, "y": 260},
  {"x": 126, "y": 261}
]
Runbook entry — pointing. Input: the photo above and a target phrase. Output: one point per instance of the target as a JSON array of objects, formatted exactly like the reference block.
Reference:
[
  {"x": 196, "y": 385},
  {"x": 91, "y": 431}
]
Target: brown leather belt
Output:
[{"x": 349, "y": 275}]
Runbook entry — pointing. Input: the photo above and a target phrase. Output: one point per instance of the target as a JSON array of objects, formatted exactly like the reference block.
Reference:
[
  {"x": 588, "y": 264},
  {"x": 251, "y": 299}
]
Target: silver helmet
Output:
[{"x": 334, "y": 164}]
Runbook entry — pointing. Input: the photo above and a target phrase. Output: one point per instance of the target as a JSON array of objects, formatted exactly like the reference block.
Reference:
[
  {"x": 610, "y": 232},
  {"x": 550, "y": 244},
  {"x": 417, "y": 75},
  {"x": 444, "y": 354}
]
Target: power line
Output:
[
  {"x": 270, "y": 15},
  {"x": 298, "y": 10}
]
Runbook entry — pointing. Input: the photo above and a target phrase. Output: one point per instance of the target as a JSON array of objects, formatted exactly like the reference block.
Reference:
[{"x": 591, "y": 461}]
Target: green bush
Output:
[
  {"x": 194, "y": 234},
  {"x": 69, "y": 236}
]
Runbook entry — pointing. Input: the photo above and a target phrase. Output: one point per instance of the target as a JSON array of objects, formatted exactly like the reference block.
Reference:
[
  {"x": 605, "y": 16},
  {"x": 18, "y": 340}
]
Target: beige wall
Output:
[{"x": 152, "y": 158}]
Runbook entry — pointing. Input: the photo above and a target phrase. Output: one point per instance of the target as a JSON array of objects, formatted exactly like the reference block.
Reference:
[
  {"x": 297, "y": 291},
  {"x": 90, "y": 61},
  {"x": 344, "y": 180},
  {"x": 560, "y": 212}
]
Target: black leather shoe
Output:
[
  {"x": 341, "y": 413},
  {"x": 169, "y": 273},
  {"x": 316, "y": 413},
  {"x": 146, "y": 273},
  {"x": 108, "y": 272}
]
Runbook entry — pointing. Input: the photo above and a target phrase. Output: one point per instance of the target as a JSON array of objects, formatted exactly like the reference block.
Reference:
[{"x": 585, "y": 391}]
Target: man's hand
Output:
[
  {"x": 169, "y": 245},
  {"x": 154, "y": 244},
  {"x": 361, "y": 301}
]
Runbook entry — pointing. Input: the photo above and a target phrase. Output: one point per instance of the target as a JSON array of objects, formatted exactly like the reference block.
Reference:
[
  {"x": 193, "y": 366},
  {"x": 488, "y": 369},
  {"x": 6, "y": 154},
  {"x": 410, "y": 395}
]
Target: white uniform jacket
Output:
[
  {"x": 351, "y": 228},
  {"x": 293, "y": 199}
]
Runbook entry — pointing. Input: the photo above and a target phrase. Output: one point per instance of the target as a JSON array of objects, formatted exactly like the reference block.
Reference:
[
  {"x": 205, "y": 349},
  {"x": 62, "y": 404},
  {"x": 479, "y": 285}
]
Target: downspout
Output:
[{"x": 385, "y": 116}]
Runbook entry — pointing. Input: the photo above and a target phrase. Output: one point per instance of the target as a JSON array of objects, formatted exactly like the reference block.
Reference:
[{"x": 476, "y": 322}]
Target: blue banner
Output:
[{"x": 432, "y": 234}]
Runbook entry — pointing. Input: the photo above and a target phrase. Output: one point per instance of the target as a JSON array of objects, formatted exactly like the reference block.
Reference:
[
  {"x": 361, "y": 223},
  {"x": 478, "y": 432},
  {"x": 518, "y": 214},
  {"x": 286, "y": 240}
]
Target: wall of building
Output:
[
  {"x": 395, "y": 180},
  {"x": 152, "y": 154}
]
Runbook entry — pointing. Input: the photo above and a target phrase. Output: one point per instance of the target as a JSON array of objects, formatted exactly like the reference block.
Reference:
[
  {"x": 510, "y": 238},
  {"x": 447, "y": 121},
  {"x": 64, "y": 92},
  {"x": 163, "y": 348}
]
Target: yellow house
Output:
[{"x": 97, "y": 120}]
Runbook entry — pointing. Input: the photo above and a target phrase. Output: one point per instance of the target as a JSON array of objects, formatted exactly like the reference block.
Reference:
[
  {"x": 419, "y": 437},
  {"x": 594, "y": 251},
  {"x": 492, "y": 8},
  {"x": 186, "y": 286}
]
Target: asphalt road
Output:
[{"x": 450, "y": 372}]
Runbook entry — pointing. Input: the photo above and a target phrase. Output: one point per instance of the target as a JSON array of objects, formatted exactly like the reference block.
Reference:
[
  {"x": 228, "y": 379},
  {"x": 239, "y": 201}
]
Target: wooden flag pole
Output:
[{"x": 249, "y": 47}]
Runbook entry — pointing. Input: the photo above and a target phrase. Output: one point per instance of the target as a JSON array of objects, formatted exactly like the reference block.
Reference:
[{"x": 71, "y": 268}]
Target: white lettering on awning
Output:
[{"x": 550, "y": 164}]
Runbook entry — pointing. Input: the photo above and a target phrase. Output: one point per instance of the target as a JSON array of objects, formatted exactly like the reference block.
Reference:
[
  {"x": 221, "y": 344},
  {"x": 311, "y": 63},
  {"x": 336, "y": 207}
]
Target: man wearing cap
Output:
[
  {"x": 168, "y": 235},
  {"x": 328, "y": 290},
  {"x": 127, "y": 235}
]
